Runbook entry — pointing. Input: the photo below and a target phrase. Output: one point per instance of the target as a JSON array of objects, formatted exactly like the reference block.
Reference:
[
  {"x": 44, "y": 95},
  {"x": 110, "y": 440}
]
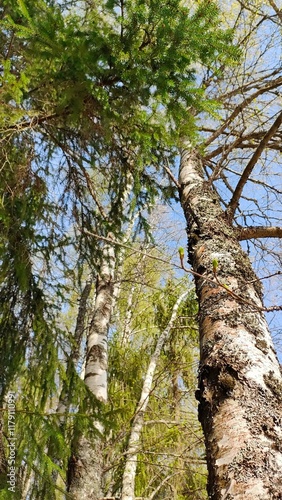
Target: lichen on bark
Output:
[{"x": 239, "y": 376}]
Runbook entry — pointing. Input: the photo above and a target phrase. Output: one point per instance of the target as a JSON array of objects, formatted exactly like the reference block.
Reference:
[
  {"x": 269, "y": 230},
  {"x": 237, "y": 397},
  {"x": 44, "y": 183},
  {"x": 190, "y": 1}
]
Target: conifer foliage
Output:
[
  {"x": 89, "y": 93},
  {"x": 96, "y": 100}
]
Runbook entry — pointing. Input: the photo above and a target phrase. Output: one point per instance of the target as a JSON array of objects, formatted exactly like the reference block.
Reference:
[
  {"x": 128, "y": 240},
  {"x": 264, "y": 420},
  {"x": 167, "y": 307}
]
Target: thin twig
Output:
[
  {"x": 170, "y": 174},
  {"x": 230, "y": 292}
]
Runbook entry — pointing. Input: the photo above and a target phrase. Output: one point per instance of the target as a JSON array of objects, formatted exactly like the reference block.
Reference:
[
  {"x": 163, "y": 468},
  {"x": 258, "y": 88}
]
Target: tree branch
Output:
[
  {"x": 32, "y": 123},
  {"x": 276, "y": 8},
  {"x": 230, "y": 292},
  {"x": 248, "y": 233},
  {"x": 251, "y": 164},
  {"x": 269, "y": 86},
  {"x": 170, "y": 174}
]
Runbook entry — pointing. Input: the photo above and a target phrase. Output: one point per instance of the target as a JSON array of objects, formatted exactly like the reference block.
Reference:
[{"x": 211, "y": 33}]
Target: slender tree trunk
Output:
[
  {"x": 240, "y": 384},
  {"x": 85, "y": 471},
  {"x": 128, "y": 482},
  {"x": 176, "y": 396},
  {"x": 80, "y": 328},
  {"x": 86, "y": 466},
  {"x": 97, "y": 353},
  {"x": 66, "y": 396},
  {"x": 128, "y": 317}
]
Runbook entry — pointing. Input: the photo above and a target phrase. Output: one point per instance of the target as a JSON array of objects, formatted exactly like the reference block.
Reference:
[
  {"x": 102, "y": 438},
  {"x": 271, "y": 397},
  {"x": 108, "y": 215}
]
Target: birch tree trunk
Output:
[
  {"x": 128, "y": 481},
  {"x": 240, "y": 384},
  {"x": 86, "y": 467},
  {"x": 96, "y": 356}
]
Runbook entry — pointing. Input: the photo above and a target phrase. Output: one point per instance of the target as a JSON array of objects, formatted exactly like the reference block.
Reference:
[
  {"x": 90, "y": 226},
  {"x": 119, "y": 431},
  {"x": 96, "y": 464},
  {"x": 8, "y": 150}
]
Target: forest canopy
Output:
[{"x": 115, "y": 116}]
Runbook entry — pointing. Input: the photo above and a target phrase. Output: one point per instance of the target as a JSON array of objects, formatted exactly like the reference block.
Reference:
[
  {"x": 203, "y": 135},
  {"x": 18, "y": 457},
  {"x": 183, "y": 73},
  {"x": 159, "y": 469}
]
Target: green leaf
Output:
[
  {"x": 181, "y": 252},
  {"x": 214, "y": 265}
]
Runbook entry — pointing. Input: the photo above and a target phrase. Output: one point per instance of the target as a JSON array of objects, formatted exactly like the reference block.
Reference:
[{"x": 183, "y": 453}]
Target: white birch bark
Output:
[
  {"x": 86, "y": 468},
  {"x": 96, "y": 365},
  {"x": 97, "y": 354},
  {"x": 240, "y": 384},
  {"x": 128, "y": 480}
]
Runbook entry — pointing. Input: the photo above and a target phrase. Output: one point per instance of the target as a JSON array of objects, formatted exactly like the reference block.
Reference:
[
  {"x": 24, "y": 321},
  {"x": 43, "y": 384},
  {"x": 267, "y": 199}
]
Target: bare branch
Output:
[
  {"x": 251, "y": 164},
  {"x": 247, "y": 233},
  {"x": 171, "y": 176},
  {"x": 276, "y": 8},
  {"x": 269, "y": 86}
]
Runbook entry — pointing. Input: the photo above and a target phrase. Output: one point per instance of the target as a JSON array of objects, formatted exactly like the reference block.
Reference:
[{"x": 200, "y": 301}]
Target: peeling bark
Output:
[{"x": 240, "y": 383}]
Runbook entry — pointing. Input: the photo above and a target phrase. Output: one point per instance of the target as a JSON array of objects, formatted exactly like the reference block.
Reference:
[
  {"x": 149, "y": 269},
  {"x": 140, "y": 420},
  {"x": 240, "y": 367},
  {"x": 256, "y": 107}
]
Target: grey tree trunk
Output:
[
  {"x": 80, "y": 328},
  {"x": 240, "y": 383},
  {"x": 65, "y": 396}
]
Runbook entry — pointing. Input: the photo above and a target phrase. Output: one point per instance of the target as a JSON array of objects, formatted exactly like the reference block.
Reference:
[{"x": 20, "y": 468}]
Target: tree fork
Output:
[{"x": 240, "y": 383}]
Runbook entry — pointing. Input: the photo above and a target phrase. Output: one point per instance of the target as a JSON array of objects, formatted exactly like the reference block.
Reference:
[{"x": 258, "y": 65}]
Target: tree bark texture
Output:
[
  {"x": 86, "y": 465},
  {"x": 85, "y": 469},
  {"x": 97, "y": 342},
  {"x": 240, "y": 383}
]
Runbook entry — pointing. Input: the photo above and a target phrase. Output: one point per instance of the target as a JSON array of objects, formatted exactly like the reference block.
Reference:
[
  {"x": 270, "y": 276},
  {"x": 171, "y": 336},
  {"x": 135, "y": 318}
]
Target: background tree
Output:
[{"x": 165, "y": 466}]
